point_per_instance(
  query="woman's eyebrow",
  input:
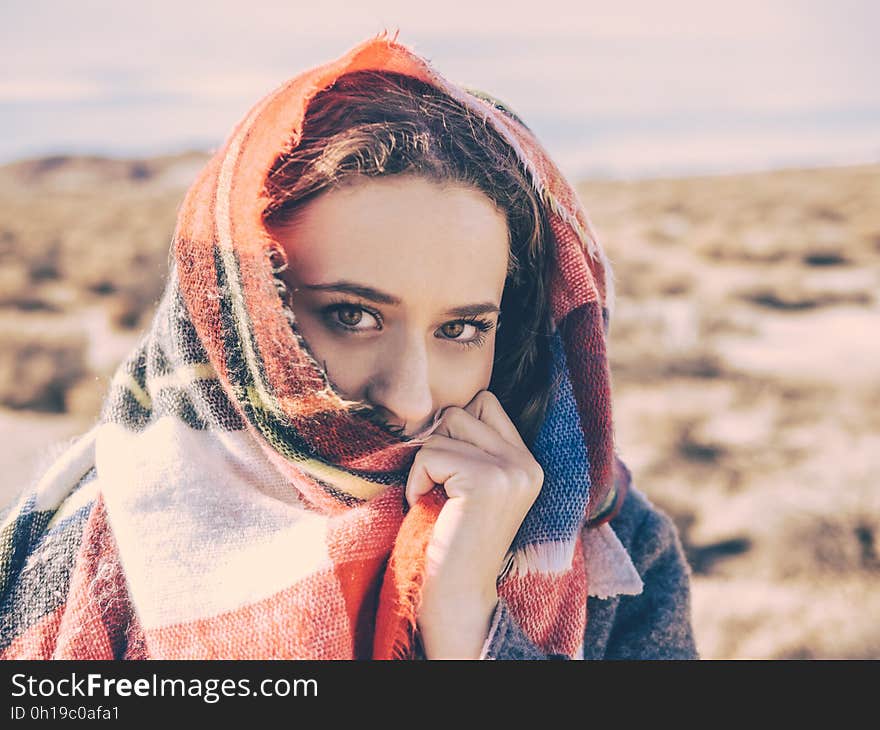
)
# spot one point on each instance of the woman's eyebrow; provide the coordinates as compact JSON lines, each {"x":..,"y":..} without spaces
{"x":374,"y":295}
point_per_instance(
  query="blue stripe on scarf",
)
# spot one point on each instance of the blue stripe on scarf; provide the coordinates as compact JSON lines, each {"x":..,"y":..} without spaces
{"x":559,"y":510}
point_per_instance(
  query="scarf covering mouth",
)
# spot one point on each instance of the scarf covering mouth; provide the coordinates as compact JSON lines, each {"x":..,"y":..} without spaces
{"x":231,"y":504}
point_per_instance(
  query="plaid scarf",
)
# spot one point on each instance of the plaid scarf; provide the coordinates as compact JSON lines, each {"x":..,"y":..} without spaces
{"x":231,"y":504}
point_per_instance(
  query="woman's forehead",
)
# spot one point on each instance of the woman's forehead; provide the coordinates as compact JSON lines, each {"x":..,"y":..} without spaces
{"x":409,"y":237}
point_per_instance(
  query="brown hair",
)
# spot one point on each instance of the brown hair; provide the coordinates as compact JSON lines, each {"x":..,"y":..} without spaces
{"x":384,"y":123}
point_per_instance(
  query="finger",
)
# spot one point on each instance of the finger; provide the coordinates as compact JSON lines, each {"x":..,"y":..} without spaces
{"x":424,"y":475}
{"x":486,"y":408}
{"x":442,"y":442}
{"x":462,"y":425}
{"x":439,"y":464}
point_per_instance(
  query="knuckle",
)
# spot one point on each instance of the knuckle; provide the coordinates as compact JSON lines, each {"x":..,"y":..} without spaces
{"x":486,"y":396}
{"x":531,"y":478}
{"x":538,"y":475}
{"x":487,"y":399}
{"x":496,"y":477}
{"x":453,"y":415}
{"x":523,"y":480}
{"x":418,"y":462}
{"x":455,"y":412}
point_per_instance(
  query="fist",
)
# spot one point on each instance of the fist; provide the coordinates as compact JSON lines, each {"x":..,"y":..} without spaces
{"x":491,"y":480}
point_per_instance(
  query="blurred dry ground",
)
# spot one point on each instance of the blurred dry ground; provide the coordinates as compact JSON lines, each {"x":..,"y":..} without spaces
{"x":744,"y":352}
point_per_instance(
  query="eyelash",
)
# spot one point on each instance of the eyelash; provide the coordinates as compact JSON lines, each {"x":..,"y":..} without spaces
{"x":482,"y":325}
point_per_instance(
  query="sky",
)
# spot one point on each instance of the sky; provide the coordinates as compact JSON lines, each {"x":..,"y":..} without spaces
{"x":623,"y":89}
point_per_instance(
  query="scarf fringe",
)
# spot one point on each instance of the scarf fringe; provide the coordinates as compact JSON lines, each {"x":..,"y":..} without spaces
{"x":546,"y":557}
{"x":402,"y":636}
{"x":401,"y":593}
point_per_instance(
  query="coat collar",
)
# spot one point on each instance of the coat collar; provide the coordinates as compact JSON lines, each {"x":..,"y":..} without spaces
{"x":610,"y":570}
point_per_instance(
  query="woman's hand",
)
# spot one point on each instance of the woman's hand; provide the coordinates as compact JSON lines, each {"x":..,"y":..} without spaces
{"x":492,"y":480}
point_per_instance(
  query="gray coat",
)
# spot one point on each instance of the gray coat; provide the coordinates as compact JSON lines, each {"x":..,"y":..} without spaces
{"x":654,"y":623}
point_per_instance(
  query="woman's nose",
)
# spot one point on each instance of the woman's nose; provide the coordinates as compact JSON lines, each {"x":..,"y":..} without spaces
{"x":403,"y":385}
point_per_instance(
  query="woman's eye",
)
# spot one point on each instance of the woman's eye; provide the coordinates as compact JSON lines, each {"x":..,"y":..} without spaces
{"x":453,"y":330}
{"x":348,"y":316}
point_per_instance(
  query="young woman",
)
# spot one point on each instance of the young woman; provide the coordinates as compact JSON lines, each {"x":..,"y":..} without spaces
{"x":371,"y":418}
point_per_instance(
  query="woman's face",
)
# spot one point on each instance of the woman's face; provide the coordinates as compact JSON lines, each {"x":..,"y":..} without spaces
{"x":396,"y":286}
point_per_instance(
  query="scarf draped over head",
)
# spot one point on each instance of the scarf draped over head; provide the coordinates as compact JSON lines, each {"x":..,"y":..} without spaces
{"x":231,"y":503}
